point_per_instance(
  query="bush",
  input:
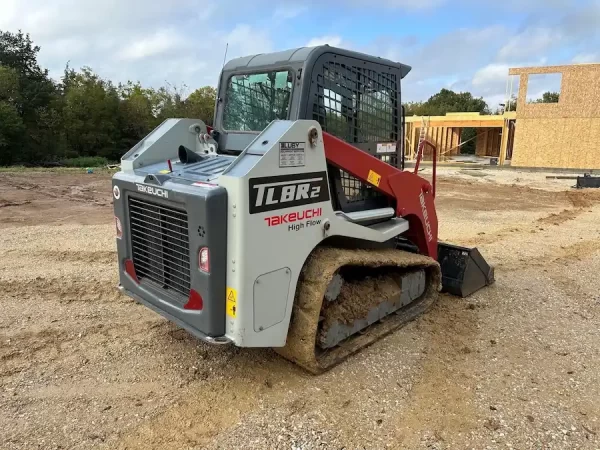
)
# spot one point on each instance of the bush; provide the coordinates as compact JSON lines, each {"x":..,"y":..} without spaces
{"x":85,"y":161}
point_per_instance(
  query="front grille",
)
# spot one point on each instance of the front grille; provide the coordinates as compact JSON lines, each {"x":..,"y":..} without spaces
{"x":160,"y":245}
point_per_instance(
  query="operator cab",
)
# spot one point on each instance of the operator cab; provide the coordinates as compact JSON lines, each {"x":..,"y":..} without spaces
{"x":353,"y":96}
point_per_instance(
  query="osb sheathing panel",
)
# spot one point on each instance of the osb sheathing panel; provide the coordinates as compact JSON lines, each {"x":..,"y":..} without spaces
{"x":579,"y":95}
{"x":564,"y":134}
{"x":561,"y":143}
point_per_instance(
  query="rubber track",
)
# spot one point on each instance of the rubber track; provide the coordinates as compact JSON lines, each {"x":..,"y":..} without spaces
{"x":319,"y":269}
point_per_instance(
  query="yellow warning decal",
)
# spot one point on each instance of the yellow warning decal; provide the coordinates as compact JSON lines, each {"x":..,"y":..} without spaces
{"x":164,"y":171}
{"x":374,"y":178}
{"x":231,"y":304}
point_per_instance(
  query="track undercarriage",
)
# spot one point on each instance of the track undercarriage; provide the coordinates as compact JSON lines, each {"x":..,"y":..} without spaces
{"x":348,"y":299}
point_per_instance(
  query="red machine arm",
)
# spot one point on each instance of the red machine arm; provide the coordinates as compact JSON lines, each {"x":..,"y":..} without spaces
{"x":413,"y":194}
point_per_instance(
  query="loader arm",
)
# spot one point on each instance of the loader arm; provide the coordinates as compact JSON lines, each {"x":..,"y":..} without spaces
{"x":412,"y":194}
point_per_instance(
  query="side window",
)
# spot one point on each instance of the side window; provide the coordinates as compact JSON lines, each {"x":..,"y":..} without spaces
{"x":376,"y":114}
{"x":253,"y":101}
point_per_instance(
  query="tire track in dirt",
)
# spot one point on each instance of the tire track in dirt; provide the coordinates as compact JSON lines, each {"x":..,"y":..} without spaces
{"x":243,"y":380}
{"x":50,"y":345}
{"x":63,"y":291}
{"x":108,"y":257}
{"x":441,"y":402}
{"x":557,"y":255}
{"x":564,"y":216}
{"x":71,"y":192}
{"x":573,"y":204}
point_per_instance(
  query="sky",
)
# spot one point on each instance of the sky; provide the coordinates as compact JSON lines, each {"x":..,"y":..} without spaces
{"x":464,"y":45}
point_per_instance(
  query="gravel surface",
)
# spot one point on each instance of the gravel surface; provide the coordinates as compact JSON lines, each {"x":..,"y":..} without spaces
{"x":514,"y":366}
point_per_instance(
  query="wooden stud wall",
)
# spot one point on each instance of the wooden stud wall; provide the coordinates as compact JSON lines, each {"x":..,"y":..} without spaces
{"x":488,"y":141}
{"x":446,"y":139}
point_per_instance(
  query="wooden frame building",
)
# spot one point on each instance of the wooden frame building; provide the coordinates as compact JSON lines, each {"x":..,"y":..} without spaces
{"x":494,"y":134}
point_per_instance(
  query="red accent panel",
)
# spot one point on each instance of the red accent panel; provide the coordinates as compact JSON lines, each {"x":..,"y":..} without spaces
{"x":195,"y":301}
{"x":413,"y":194}
{"x":415,"y":203}
{"x":130,"y":270}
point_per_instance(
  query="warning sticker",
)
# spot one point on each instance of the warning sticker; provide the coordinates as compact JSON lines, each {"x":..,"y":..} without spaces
{"x":389,"y":147}
{"x":374,"y":178}
{"x":231,"y":303}
{"x":291,"y":154}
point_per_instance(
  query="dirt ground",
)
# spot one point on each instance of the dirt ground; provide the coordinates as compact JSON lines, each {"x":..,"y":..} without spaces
{"x":514,"y":366}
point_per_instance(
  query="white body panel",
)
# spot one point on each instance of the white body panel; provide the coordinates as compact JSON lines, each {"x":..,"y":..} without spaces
{"x":270,"y":240}
{"x":162,"y":143}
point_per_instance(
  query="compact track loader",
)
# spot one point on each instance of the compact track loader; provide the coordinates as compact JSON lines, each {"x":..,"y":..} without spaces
{"x":291,"y":223}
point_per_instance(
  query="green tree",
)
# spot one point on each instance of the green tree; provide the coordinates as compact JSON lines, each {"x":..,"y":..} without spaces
{"x":136,"y":119}
{"x":447,"y":101}
{"x":84,"y":114}
{"x":167,"y":101}
{"x":90,"y":115}
{"x":36,"y":101}
{"x":9,"y":85}
{"x":549,"y":97}
{"x":200,"y":104}
{"x":12,"y":129}
{"x":11,"y":132}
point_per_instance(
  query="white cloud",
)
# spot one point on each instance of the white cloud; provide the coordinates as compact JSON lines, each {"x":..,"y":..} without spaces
{"x":459,"y":51}
{"x":9,"y":10}
{"x":334,"y":41}
{"x":152,"y":45}
{"x":247,"y":40}
{"x":402,"y":4}
{"x":184,"y":40}
{"x":286,"y":12}
{"x":529,"y":43}
{"x":585,"y":58}
{"x":492,"y":73}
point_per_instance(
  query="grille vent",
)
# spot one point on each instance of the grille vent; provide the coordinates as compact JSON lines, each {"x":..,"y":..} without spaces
{"x":160,"y":244}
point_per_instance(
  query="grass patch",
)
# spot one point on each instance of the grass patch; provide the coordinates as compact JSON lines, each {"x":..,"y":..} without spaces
{"x":85,"y":161}
{"x":22,"y":169}
{"x":74,"y":165}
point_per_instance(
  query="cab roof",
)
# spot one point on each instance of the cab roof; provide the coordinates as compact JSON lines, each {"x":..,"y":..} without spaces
{"x":301,"y":55}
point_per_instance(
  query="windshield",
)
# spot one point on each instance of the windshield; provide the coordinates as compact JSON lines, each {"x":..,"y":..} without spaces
{"x":253,"y":101}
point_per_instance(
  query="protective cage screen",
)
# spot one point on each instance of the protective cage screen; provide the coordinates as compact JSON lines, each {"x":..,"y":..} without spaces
{"x":254,"y":100}
{"x":360,"y":106}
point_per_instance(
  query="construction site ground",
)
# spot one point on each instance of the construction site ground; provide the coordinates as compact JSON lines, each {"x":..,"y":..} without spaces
{"x":514,"y":366}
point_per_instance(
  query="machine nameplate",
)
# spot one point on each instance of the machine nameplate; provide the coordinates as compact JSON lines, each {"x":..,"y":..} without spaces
{"x":286,"y":191}
{"x":291,"y":154}
{"x":389,"y":147}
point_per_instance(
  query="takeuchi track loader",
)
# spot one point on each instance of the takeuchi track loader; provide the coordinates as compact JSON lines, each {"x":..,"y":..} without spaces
{"x":291,"y":223}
